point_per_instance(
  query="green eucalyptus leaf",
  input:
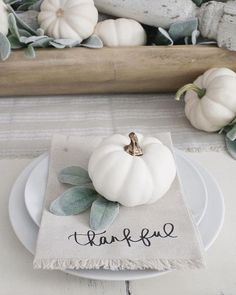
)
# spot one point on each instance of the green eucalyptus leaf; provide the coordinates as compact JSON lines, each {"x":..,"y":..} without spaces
{"x":103,"y":213}
{"x":73,"y":201}
{"x":182,"y":29}
{"x":231,"y":134}
{"x":5,"y":47}
{"x":29,"y":51}
{"x":163,"y":38}
{"x":15,"y":43}
{"x":231,"y":147}
{"x":92,"y":42}
{"x":74,"y":175}
{"x":13,"y":26}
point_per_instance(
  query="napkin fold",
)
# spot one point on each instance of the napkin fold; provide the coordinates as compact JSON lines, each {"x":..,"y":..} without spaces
{"x":161,"y":236}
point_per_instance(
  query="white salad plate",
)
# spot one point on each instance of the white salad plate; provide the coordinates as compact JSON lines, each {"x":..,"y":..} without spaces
{"x":194,"y":188}
{"x":26,"y":229}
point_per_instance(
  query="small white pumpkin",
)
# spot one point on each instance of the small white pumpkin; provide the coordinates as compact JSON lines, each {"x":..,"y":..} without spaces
{"x":68,"y":19}
{"x":121,"y":32}
{"x":3,"y":19}
{"x":132,"y":173}
{"x":210,"y":102}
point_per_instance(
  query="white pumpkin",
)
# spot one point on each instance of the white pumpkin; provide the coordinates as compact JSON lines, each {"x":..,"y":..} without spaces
{"x":68,"y":19}
{"x":3,"y":19}
{"x":210,"y":102}
{"x":121,"y":32}
{"x":132,"y":173}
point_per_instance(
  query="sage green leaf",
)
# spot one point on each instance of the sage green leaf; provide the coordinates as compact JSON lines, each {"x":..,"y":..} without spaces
{"x":67,"y":42}
{"x":36,"y":6}
{"x":193,"y":39}
{"x":56,"y":45}
{"x":5,"y":47}
{"x":43,"y":43}
{"x":92,"y":42}
{"x":231,"y":147}
{"x":24,"y":33}
{"x":183,"y":29}
{"x":26,"y":5}
{"x":73,"y":201}
{"x":162,"y":37}
{"x":20,"y":22}
{"x":31,"y":39}
{"x":30,"y":18}
{"x":15,"y":43}
{"x":13,"y":26}
{"x":231,"y":134}
{"x":29,"y":52}
{"x":103,"y":213}
{"x":74,"y":175}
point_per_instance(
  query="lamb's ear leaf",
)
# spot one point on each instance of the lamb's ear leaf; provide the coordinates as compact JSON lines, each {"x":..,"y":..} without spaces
{"x":74,"y":175}
{"x":231,"y":147}
{"x":103,"y":213}
{"x":182,"y":29}
{"x":92,"y":42}
{"x":15,"y":43}
{"x":29,"y":51}
{"x":73,"y":201}
{"x":162,"y":37}
{"x":13,"y":26}
{"x":5,"y":47}
{"x":231,"y":134}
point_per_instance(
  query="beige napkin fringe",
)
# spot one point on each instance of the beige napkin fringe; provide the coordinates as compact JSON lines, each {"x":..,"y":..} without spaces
{"x":118,"y":264}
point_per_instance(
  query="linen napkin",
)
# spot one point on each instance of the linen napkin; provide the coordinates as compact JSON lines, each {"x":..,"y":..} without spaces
{"x":161,"y":236}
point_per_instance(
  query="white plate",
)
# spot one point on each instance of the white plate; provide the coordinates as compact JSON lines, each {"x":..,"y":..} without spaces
{"x":27,"y":231}
{"x":193,"y":187}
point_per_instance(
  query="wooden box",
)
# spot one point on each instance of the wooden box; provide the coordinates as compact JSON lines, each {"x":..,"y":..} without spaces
{"x":109,"y":70}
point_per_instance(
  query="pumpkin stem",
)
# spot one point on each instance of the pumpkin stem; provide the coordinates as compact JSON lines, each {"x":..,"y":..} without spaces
{"x":200,"y":92}
{"x":133,"y":148}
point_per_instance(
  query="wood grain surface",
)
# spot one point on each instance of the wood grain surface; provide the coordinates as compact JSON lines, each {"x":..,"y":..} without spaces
{"x":109,"y":70}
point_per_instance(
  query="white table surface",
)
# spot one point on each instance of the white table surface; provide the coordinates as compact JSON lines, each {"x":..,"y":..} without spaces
{"x":219,"y":278}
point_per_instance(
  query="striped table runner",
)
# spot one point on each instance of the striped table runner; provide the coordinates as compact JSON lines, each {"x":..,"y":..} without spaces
{"x":27,"y":124}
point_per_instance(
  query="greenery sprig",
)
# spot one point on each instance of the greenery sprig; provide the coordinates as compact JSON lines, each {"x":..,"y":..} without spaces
{"x":82,"y":196}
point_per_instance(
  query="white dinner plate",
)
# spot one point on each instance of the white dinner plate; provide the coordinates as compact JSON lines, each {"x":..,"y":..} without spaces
{"x":26,"y":230}
{"x":194,"y":188}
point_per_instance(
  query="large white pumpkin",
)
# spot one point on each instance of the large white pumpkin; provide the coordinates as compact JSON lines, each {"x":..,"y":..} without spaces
{"x":210,"y":102}
{"x":3,"y":19}
{"x":68,"y":19}
{"x":132,"y":170}
{"x":121,"y":32}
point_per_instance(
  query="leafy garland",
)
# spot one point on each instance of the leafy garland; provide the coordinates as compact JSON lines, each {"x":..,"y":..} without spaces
{"x":23,"y":35}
